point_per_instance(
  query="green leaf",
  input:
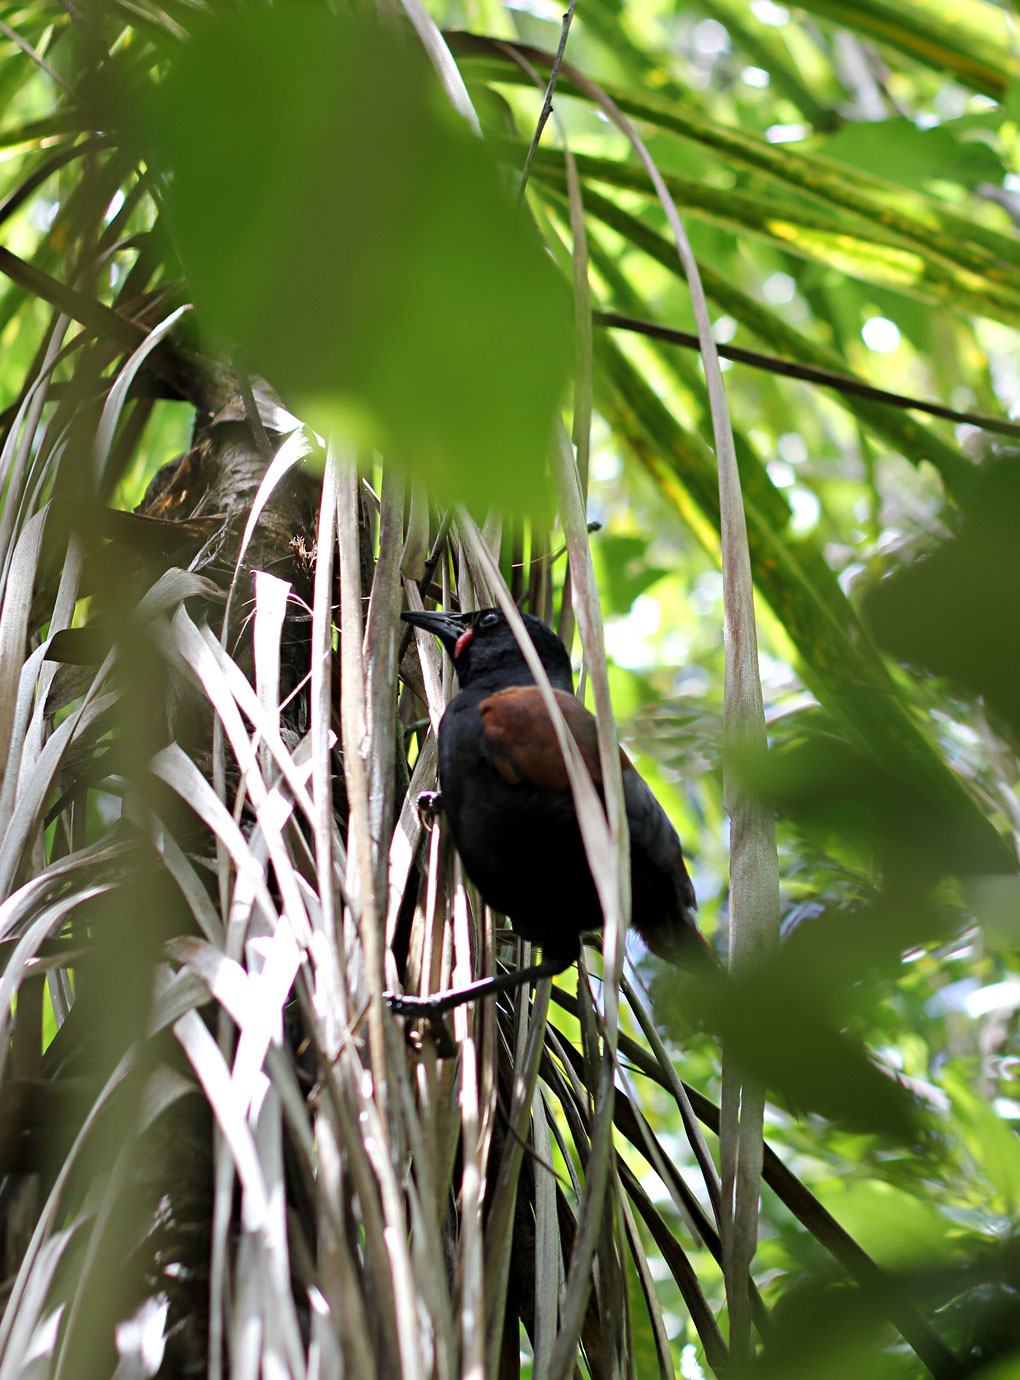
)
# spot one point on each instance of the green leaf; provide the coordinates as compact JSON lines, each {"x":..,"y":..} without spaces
{"x":877,"y":253}
{"x":789,"y":1036}
{"x":969,"y":38}
{"x":992,"y":1142}
{"x":854,"y":799}
{"x":893,"y":1226}
{"x":917,"y":441}
{"x":837,"y":659}
{"x":622,"y":570}
{"x":356,"y":247}
{"x":898,"y":150}
{"x":956,"y":612}
{"x":1011,"y":101}
{"x":919,"y":222}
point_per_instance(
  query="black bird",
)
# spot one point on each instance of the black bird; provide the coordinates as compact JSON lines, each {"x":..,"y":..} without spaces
{"x":506,"y":795}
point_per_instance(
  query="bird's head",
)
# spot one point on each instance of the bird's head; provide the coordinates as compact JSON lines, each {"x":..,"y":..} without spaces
{"x":484,"y":650}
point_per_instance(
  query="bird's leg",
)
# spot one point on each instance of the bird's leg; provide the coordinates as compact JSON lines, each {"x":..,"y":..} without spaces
{"x":438,"y":1003}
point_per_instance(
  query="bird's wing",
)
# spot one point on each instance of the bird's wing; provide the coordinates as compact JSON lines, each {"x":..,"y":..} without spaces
{"x":652,"y":833}
{"x":520,"y":741}
{"x":664,"y":901}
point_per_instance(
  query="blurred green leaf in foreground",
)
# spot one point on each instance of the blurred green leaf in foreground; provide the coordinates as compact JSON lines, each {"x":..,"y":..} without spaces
{"x":956,"y":611}
{"x":409,"y":305}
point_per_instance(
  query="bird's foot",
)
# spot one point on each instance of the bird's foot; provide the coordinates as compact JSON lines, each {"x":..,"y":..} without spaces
{"x":437,"y":1004}
{"x":425,"y":1009}
{"x":403,"y":1005}
{"x":430,"y":807}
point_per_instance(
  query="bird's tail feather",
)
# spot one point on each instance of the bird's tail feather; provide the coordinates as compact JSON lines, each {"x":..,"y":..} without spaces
{"x":679,"y":941}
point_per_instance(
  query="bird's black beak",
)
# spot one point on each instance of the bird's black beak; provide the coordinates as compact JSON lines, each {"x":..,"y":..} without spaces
{"x":446,"y":626}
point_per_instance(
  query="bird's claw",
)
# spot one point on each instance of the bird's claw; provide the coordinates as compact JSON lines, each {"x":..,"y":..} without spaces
{"x":422,"y":1008}
{"x":402,"y":1005}
{"x":430,"y":806}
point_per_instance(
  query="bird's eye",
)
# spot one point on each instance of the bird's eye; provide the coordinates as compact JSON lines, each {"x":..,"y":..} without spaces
{"x":489,"y":620}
